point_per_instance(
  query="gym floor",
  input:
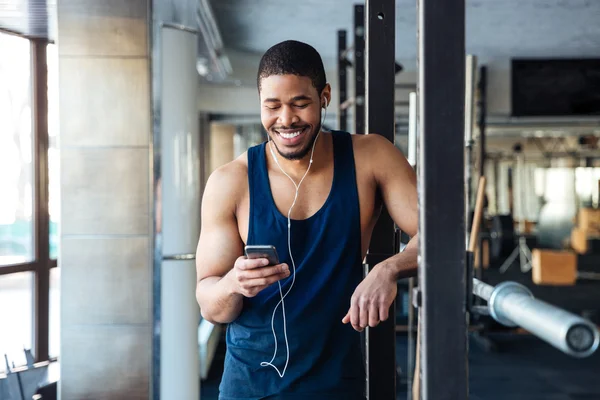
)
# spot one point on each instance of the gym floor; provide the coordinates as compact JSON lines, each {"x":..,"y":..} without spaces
{"x":521,"y":368}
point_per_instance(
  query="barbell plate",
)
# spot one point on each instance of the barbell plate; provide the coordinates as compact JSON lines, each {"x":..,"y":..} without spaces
{"x":502,"y":236}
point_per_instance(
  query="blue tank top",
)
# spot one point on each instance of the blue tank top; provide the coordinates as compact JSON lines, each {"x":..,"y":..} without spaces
{"x":326,"y":359}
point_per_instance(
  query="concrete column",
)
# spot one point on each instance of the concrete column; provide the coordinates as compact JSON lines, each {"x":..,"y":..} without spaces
{"x":105,"y":136}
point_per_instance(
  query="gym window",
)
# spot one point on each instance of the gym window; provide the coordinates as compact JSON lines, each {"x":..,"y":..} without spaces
{"x":29,"y":202}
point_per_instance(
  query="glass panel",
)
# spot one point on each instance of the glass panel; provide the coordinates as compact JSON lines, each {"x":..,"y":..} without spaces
{"x":16,"y":150}
{"x":16,"y":316}
{"x":54,"y":345}
{"x":53,"y":152}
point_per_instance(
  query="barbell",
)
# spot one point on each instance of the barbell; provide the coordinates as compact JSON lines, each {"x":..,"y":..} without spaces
{"x":512,"y":304}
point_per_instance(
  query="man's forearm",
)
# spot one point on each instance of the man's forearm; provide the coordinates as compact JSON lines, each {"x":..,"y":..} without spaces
{"x":404,"y":264}
{"x":218,"y":302}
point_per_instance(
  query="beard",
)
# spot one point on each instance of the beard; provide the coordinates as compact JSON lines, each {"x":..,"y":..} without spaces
{"x":305,"y":149}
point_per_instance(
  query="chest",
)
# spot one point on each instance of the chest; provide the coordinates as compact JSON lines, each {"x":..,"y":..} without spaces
{"x":314,"y":194}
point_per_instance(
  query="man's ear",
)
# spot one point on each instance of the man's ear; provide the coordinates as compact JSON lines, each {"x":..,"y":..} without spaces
{"x":326,"y":96}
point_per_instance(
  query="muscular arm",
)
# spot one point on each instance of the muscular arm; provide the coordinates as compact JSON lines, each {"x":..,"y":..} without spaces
{"x":218,"y":248}
{"x":225,"y":276}
{"x":397,"y":183}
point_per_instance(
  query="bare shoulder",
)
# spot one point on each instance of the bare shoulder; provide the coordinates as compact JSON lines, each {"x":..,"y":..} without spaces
{"x":368,"y":143}
{"x":393,"y":175}
{"x":235,"y":170}
{"x":228,"y":183}
{"x":376,"y":152}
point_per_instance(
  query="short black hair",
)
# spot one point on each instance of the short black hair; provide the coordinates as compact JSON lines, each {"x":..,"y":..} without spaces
{"x":294,"y":58}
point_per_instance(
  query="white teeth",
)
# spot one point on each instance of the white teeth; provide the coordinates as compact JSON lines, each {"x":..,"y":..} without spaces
{"x":290,"y":135}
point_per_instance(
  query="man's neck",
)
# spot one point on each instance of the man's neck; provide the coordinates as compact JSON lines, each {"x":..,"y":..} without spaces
{"x":297,"y":168}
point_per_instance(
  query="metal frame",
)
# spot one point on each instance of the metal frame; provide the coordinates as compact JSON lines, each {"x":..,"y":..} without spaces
{"x":42,"y":225}
{"x":359,"y":69}
{"x":380,"y":119}
{"x":25,"y":267}
{"x":16,"y":268}
{"x":412,"y":322}
{"x":481,"y":123}
{"x":441,"y":61}
{"x":471,"y":63}
{"x":342,"y":66}
{"x":155,"y":177}
{"x":22,"y":35}
{"x":41,"y":263}
{"x":155,"y":44}
{"x":482,"y":117}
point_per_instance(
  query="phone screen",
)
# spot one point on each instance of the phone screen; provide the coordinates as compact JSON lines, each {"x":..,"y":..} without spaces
{"x":263,"y":251}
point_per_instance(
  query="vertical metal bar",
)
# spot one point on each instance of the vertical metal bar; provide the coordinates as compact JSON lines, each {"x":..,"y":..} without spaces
{"x":496,"y":184}
{"x":342,"y":66}
{"x":412,"y":323}
{"x":42,"y":217}
{"x":412,"y":159}
{"x":380,"y":118}
{"x":155,"y":183}
{"x":481,"y":122}
{"x":469,"y":142}
{"x":441,"y":61}
{"x":412,"y":129}
{"x":359,"y":69}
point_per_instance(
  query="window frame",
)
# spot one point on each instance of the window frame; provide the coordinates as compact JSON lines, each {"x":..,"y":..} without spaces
{"x":41,"y":263}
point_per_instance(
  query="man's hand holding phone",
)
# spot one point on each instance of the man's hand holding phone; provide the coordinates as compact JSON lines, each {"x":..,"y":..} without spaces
{"x":252,"y":275}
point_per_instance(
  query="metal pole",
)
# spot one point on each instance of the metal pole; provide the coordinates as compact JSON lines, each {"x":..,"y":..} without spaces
{"x":380,"y":118}
{"x":412,"y":129}
{"x":342,"y":81}
{"x":443,"y":336}
{"x":359,"y":69}
{"x":42,"y":226}
{"x":481,"y":122}
{"x":469,"y":99}
{"x":412,"y":159}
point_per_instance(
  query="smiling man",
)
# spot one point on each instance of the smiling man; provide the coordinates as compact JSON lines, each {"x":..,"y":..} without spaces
{"x":293,"y":328}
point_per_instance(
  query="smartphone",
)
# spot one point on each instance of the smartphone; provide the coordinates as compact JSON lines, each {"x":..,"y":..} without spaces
{"x":263,"y":251}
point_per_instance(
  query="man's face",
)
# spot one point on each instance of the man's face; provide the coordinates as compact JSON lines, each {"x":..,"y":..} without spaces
{"x":291,"y":113}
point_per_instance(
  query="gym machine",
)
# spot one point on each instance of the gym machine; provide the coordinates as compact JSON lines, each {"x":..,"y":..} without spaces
{"x":373,"y":105}
{"x":445,"y":296}
{"x":357,"y":102}
{"x":345,"y":102}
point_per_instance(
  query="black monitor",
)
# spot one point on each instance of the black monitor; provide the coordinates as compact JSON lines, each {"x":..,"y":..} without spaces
{"x":555,"y":87}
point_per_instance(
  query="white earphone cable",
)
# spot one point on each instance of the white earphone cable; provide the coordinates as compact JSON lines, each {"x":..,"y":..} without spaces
{"x":297,"y":186}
